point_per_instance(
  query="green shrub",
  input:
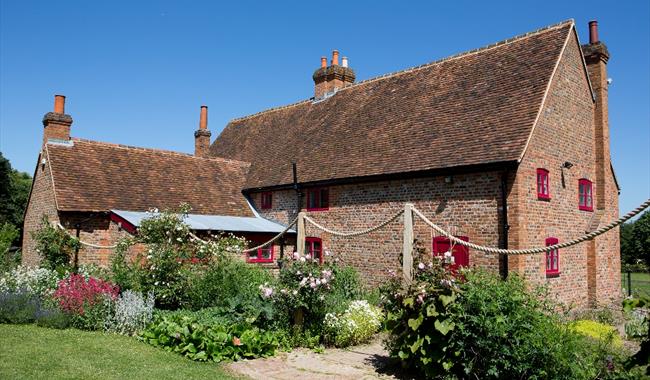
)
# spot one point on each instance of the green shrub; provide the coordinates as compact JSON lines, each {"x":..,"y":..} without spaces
{"x":172,"y":258}
{"x":55,"y":246}
{"x":217,"y":342}
{"x":354,"y":326}
{"x":480,"y":326}
{"x":52,"y":318}
{"x":598,"y":331}
{"x":225,"y":281}
{"x":8,"y":235}
{"x":19,"y":308}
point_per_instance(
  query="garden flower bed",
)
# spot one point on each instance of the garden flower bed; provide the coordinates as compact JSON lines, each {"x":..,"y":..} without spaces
{"x":201,"y":300}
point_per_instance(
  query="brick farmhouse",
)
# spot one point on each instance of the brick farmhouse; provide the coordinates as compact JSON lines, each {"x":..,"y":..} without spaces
{"x":506,"y":145}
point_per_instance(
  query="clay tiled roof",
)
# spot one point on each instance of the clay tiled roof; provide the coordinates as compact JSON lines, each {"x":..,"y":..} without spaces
{"x":474,"y":108}
{"x":95,"y":176}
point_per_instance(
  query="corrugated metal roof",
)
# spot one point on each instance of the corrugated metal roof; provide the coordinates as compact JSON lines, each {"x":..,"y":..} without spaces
{"x":212,"y":222}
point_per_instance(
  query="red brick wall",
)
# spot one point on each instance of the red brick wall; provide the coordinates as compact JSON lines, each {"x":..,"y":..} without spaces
{"x":564,"y":132}
{"x":41,"y":202}
{"x":469,"y":205}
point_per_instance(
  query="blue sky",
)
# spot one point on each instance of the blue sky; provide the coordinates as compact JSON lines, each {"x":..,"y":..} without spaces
{"x":136,"y":72}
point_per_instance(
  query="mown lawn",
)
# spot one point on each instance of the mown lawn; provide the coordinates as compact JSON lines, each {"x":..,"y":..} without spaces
{"x":640,"y":283}
{"x":31,"y":352}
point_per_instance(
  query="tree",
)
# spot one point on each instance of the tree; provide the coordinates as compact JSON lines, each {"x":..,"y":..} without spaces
{"x":14,"y":191}
{"x":628,"y":252}
{"x":641,"y":237}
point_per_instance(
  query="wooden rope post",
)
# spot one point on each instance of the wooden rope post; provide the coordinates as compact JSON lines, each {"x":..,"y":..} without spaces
{"x":407,"y":248}
{"x":300,"y":225}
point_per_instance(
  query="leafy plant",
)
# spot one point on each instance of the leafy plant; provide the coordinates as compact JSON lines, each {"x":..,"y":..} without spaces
{"x":480,"y":326}
{"x":40,"y":282}
{"x":640,"y":306}
{"x":598,"y":331}
{"x":184,"y":335}
{"x":171,"y":258}
{"x":132,"y":313}
{"x":354,"y":326}
{"x":88,"y":302}
{"x":54,"y":246}
{"x":8,"y":234}
{"x":20,"y":307}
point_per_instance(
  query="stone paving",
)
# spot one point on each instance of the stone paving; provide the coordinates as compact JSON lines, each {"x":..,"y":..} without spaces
{"x":359,"y":363}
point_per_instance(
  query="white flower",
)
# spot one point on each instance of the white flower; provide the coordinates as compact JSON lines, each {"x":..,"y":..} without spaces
{"x":448,"y":254}
{"x":302,"y":259}
{"x":421,"y":266}
{"x":295,"y":292}
{"x":296,"y":255}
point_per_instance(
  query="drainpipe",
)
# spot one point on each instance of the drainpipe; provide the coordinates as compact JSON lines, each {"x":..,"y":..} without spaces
{"x":504,"y":225}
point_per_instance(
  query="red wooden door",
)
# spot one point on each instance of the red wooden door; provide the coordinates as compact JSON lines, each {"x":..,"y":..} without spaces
{"x":460,"y":253}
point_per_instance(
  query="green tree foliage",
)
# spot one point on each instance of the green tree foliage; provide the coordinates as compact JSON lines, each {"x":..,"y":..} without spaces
{"x":641,"y":236}
{"x":635,"y":241}
{"x":14,"y":191}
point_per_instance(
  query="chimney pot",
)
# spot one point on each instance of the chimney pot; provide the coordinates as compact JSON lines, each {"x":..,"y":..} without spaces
{"x":335,"y":58}
{"x":323,"y":62}
{"x":59,"y":104}
{"x":593,"y":32}
{"x":203,"y":120}
{"x":344,"y":61}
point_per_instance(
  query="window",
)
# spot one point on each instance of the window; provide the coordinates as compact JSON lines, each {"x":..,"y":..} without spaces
{"x":267,"y":200}
{"x":318,"y":199}
{"x":585,"y":195}
{"x":261,"y":255}
{"x":543,"y":184}
{"x":552,"y":259}
{"x":314,"y":248}
{"x":460,"y":253}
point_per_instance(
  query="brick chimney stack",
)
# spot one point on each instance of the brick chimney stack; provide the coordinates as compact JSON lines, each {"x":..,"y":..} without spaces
{"x":596,"y":57}
{"x":57,"y":124}
{"x":202,"y":135}
{"x":328,"y":80}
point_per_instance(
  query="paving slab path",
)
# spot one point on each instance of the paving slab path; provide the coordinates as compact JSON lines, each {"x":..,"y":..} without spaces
{"x":359,"y":363}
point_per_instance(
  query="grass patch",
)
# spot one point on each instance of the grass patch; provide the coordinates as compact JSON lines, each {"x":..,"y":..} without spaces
{"x":30,"y":352}
{"x":640,"y":283}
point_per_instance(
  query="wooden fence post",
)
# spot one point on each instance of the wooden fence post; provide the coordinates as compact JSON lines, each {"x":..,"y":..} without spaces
{"x":300,"y":243}
{"x":407,"y":250}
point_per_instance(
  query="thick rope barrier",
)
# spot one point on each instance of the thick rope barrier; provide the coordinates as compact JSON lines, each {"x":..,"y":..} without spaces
{"x":58,"y":225}
{"x":356,"y":233}
{"x":529,"y":251}
{"x":276,"y":237}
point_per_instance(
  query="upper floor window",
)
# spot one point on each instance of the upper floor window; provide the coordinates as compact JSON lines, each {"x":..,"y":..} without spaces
{"x":318,"y":199}
{"x":267,"y":200}
{"x":314,"y":248}
{"x":543,"y":191}
{"x":552,"y":258}
{"x":585,"y":195}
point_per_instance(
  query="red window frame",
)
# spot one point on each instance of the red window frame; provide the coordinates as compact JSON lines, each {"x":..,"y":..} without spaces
{"x":318,"y":199}
{"x":441,"y":244}
{"x":311,"y":244}
{"x":552,"y":258}
{"x":259,"y":257}
{"x":266,"y":200}
{"x":585,"y":195}
{"x":543,"y":184}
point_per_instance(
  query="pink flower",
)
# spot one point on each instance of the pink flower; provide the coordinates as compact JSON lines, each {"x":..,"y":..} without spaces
{"x":236,"y":341}
{"x":296,"y":255}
